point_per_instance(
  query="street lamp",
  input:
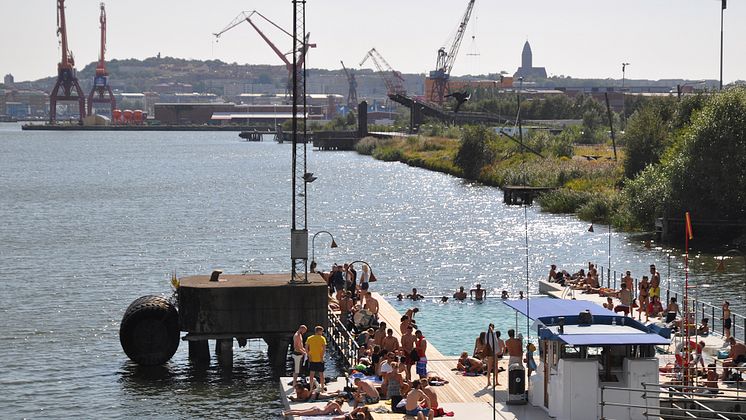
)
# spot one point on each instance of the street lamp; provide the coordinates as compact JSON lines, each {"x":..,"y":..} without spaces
{"x":372,"y":276}
{"x":624,"y":113}
{"x":313,"y":244}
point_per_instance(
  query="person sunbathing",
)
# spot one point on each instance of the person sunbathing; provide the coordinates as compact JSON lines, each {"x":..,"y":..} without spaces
{"x":332,"y":407}
{"x":303,"y":394}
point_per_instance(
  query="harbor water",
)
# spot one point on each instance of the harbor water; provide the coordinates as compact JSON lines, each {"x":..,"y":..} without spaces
{"x":93,"y":220}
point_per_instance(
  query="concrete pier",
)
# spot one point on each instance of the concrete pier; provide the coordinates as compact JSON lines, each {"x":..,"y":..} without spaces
{"x":248,"y":306}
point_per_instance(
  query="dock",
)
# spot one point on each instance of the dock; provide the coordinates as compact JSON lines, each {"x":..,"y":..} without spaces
{"x":522,"y":194}
{"x":466,"y":396}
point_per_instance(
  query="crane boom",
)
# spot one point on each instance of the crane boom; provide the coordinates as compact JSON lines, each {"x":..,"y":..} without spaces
{"x":101,"y":91}
{"x":352,"y":83}
{"x":453,"y":52}
{"x":67,"y":61}
{"x":66,"y":88}
{"x":101,"y":68}
{"x":394,"y":81}
{"x":446,"y":59}
{"x":246,"y":17}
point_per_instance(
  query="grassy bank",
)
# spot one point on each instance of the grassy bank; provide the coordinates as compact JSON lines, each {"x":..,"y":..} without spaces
{"x":588,"y":188}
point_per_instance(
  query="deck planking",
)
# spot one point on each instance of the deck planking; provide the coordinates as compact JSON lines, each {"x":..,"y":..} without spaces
{"x":460,"y":389}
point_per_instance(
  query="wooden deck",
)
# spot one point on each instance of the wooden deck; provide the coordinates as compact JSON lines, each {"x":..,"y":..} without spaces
{"x":460,"y":389}
{"x":467,"y":397}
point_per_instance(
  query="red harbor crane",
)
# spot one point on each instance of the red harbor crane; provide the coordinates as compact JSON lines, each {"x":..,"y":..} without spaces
{"x":352,"y":92}
{"x":66,"y":88}
{"x":101,"y":91}
{"x":246,"y":17}
{"x":439,"y":77}
{"x":392,"y":78}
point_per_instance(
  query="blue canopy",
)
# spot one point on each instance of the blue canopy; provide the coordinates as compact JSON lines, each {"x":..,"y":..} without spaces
{"x":551,"y":307}
{"x":606,"y":328}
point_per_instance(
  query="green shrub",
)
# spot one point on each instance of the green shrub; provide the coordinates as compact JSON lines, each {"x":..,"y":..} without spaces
{"x":388,"y":153}
{"x":563,"y":201}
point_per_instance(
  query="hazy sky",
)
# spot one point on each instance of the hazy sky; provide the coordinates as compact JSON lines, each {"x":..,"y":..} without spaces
{"x":581,"y":38}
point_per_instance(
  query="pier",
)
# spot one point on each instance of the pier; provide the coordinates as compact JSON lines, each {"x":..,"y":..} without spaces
{"x":466,"y":396}
{"x":522,"y":194}
{"x":227,"y":307}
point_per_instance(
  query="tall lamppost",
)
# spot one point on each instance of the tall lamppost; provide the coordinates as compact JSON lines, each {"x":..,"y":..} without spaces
{"x":624,"y":108}
{"x":723,"y":5}
{"x":313,"y":244}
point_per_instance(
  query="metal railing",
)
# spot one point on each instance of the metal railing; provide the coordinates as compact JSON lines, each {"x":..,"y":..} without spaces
{"x":342,"y":340}
{"x":672,"y":402}
{"x":698,"y":307}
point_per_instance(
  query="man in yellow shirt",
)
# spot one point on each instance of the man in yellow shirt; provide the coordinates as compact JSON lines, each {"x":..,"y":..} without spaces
{"x":316,"y":347}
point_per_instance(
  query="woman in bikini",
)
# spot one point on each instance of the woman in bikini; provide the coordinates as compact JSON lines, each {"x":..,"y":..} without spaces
{"x":644,"y":287}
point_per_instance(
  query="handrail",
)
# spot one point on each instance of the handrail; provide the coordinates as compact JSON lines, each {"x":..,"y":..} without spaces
{"x":673,"y":412}
{"x":698,"y":307}
{"x":342,"y":340}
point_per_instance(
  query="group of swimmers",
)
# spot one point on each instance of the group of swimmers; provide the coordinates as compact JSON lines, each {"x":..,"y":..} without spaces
{"x":476,"y":293}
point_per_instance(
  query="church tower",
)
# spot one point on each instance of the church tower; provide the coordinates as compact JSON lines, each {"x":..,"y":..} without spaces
{"x":526,"y":56}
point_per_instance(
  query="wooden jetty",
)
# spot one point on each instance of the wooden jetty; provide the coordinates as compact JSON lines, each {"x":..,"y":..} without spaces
{"x":335,"y":140}
{"x":522,"y":194}
{"x":467,"y":396}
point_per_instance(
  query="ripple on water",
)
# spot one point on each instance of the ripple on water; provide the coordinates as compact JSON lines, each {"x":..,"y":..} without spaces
{"x":93,"y":220}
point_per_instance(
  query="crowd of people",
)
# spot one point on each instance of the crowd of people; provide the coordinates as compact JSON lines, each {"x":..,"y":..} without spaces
{"x":383,"y":368}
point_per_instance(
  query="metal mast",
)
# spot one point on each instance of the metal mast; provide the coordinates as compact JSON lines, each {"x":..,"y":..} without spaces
{"x":67,"y":79}
{"x":101,"y":80}
{"x":300,"y":177}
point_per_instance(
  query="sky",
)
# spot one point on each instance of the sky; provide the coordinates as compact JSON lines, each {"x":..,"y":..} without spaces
{"x":581,"y":38}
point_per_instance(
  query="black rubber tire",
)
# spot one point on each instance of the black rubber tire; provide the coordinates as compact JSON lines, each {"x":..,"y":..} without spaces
{"x":149,"y":332}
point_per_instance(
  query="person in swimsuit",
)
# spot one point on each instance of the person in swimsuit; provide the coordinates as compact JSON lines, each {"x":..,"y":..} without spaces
{"x":415,"y":397}
{"x":478,"y":293}
{"x":726,"y":320}
{"x":644,"y":296}
{"x":530,"y":362}
{"x":299,"y":352}
{"x":332,"y":407}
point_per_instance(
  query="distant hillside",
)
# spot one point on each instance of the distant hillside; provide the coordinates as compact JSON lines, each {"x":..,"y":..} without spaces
{"x":220,"y":78}
{"x":230,"y":79}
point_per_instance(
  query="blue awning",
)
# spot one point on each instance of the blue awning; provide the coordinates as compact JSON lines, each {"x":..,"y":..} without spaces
{"x":612,"y":339}
{"x":536,"y":308}
{"x":607,"y":328}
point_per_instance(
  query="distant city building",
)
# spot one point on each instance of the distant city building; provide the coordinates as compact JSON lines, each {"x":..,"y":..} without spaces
{"x":172,"y":88}
{"x":8,"y":80}
{"x":527,"y":69}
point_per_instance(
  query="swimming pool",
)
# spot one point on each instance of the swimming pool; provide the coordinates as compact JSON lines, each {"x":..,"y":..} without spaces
{"x":453,"y":327}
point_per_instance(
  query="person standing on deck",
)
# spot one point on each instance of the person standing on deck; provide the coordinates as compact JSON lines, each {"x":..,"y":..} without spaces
{"x":315,"y":348}
{"x":365,"y":278}
{"x":421,"y":346}
{"x":407,"y":343}
{"x":515,"y":349}
{"x":628,"y":280}
{"x":299,"y":352}
{"x":643,"y":287}
{"x":655,"y":276}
